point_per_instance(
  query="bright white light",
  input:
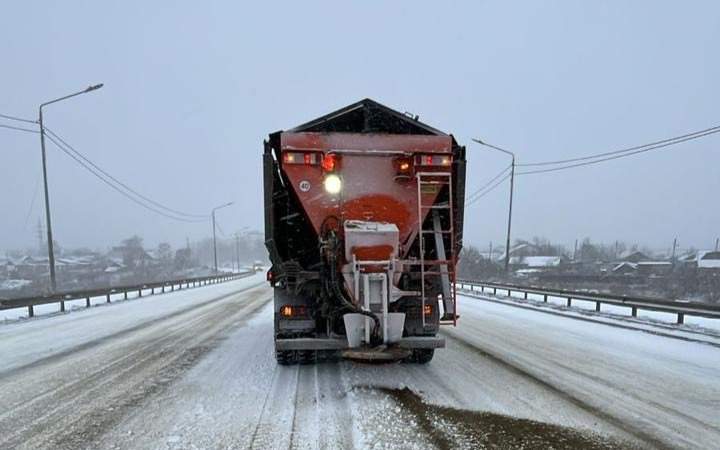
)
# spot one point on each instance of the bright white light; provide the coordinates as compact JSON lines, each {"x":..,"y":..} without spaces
{"x":332,"y":184}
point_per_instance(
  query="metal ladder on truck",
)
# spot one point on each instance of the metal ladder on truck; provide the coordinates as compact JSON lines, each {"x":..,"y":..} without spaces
{"x":440,"y":267}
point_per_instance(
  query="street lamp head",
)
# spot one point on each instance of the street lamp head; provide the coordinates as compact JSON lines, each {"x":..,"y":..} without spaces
{"x":94,"y":87}
{"x":222,"y":206}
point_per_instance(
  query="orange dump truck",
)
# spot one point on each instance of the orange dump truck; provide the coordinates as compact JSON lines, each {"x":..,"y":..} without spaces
{"x":363,"y":225}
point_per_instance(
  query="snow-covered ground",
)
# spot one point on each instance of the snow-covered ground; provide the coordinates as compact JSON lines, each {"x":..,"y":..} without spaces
{"x":195,"y":369}
{"x":691,"y":322}
{"x":23,"y":342}
{"x":9,"y":315}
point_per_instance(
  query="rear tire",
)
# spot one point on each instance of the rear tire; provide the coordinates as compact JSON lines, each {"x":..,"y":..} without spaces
{"x":306,"y":356}
{"x":285,"y":358}
{"x":424,"y":356}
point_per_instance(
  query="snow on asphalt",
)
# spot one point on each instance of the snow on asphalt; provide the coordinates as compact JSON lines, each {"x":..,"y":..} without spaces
{"x":661,"y":386}
{"x":22,"y":342}
{"x":195,"y":369}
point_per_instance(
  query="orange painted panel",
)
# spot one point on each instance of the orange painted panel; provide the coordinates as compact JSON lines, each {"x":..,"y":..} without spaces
{"x":370,"y":189}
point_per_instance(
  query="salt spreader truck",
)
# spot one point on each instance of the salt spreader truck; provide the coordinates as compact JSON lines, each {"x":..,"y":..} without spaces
{"x":363,"y":225}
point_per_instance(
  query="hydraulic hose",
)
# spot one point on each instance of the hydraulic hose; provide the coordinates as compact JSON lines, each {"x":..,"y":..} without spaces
{"x":338,"y":292}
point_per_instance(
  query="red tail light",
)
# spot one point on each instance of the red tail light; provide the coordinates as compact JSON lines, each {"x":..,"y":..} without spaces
{"x":269,"y":275}
{"x":307,"y":158}
{"x":435,"y":160}
{"x":329,"y":162}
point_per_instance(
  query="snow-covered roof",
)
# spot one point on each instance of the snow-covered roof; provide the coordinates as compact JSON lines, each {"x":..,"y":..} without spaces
{"x":71,"y":261}
{"x":629,"y":265}
{"x":708,"y":259}
{"x":633,"y":254}
{"x":14,"y":284}
{"x":525,"y":271}
{"x":654,"y":263}
{"x":33,"y":260}
{"x":536,"y":261}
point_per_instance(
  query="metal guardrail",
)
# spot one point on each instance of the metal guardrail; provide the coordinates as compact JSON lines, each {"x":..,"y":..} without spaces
{"x":161,"y":286}
{"x":634,"y":303}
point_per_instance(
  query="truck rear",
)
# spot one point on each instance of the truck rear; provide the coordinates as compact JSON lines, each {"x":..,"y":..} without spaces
{"x":363,"y":225}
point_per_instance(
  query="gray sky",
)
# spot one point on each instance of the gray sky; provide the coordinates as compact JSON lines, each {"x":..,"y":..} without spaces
{"x":191,"y":90}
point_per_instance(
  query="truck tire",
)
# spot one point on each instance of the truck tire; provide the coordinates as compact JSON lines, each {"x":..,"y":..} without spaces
{"x":306,"y":356}
{"x":424,"y":356}
{"x":285,"y":358}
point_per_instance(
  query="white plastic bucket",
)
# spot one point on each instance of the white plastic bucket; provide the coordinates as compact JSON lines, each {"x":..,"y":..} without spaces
{"x":355,"y":329}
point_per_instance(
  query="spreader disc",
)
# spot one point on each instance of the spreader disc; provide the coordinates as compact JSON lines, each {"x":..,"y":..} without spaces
{"x":377,"y":355}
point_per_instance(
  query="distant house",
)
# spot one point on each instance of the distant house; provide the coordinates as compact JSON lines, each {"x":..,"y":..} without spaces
{"x":7,"y":268}
{"x":654,"y":268}
{"x":633,"y":256}
{"x":30,"y":267}
{"x":542,"y":261}
{"x":532,"y":264}
{"x":625,"y":268}
{"x":519,"y":251}
{"x":708,"y":260}
{"x":112,"y":266}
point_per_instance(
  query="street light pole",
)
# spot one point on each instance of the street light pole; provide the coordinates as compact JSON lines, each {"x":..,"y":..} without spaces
{"x":214,"y":236}
{"x":214,"y":243}
{"x":237,"y":251}
{"x":48,"y":221}
{"x":512,"y":187}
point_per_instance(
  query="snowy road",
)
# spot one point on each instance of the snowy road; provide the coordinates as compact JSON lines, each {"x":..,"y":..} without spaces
{"x":195,"y":369}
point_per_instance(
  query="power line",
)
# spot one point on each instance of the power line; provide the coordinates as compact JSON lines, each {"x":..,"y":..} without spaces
{"x":113,"y":186}
{"x":27,"y":130}
{"x":478,"y":190}
{"x":623,"y":155}
{"x":19,"y":119}
{"x":487,"y":191}
{"x":128,"y":188}
{"x":694,"y":134}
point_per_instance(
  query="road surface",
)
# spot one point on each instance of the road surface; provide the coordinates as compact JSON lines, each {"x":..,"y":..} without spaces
{"x":195,"y":369}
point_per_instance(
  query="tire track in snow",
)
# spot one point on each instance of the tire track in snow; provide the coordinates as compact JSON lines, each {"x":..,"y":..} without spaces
{"x":274,"y":427}
{"x":159,"y":354}
{"x":640,"y":434}
{"x":60,"y":356}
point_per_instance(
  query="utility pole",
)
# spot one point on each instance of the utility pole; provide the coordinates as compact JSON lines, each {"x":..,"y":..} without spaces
{"x":51,"y":251}
{"x":212,"y":214}
{"x":717,"y":244}
{"x":40,"y":232}
{"x":617,"y":244}
{"x":237,"y":252}
{"x":672,"y":258}
{"x":215,"y":266}
{"x":490,"y":255}
{"x":512,"y":185}
{"x":575,"y":251}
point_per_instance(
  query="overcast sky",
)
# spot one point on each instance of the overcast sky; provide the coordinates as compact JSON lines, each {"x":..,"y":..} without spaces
{"x":192,"y":88}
